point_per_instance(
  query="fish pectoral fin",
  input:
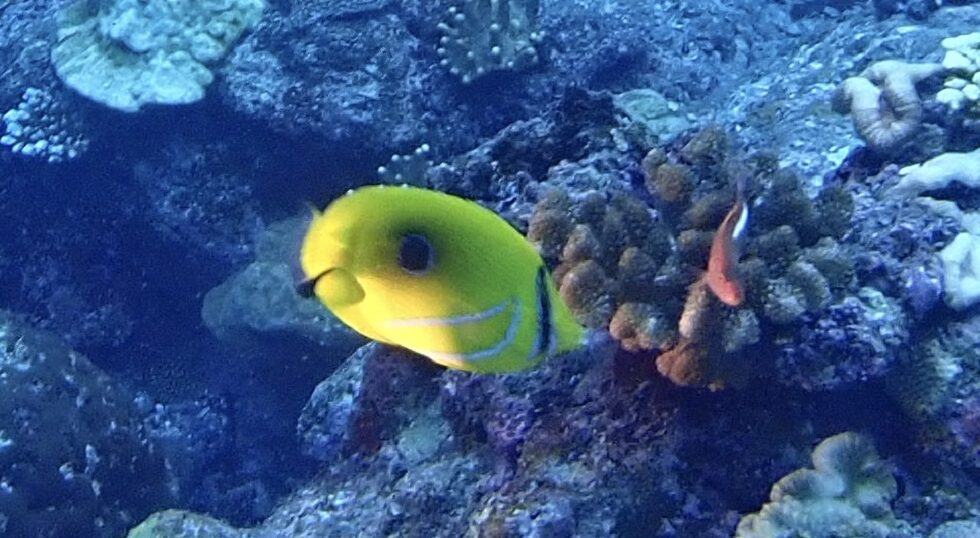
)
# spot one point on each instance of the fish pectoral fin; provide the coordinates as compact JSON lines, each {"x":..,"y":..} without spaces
{"x":337,"y":288}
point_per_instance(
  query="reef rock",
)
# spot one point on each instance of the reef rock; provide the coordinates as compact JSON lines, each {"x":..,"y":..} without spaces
{"x":73,"y":457}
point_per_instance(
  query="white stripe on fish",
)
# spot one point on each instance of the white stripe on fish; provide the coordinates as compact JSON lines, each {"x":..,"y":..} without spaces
{"x":476,"y":356}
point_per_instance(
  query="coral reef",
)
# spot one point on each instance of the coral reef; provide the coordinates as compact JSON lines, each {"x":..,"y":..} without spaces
{"x":117,"y":249}
{"x":181,"y":524}
{"x":853,"y":340}
{"x":481,"y":455}
{"x":955,"y":175}
{"x":939,"y":173}
{"x":270,"y":337}
{"x":260,"y":302}
{"x":847,"y":493}
{"x":957,"y":529}
{"x":656,"y":114}
{"x":126,"y":54}
{"x":215,"y":214}
{"x":621,"y":266}
{"x":74,"y":459}
{"x":196,"y":438}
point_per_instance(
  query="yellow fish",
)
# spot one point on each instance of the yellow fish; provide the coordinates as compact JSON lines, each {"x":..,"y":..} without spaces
{"x":436,"y":274}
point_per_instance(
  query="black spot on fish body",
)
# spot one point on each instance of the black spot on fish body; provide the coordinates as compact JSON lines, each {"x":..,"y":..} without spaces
{"x":415,"y":254}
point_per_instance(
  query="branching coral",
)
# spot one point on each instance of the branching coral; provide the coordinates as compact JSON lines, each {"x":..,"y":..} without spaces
{"x":884,"y":103}
{"x":847,"y":494}
{"x":791,"y":268}
{"x":409,"y":168}
{"x":483,"y":36}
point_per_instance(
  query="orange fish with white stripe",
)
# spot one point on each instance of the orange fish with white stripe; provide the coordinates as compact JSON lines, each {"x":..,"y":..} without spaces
{"x":726,"y":249}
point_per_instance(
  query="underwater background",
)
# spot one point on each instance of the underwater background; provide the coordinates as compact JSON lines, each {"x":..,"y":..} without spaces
{"x":161,"y":377}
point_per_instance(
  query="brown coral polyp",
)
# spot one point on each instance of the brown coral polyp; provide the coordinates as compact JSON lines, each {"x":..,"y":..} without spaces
{"x":585,"y":289}
{"x":671,"y":184}
{"x":549,"y":230}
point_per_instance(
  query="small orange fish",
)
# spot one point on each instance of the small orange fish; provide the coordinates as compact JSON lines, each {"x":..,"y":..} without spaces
{"x":726,"y":249}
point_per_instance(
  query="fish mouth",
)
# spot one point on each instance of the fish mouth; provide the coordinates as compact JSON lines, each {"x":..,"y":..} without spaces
{"x":306,"y":288}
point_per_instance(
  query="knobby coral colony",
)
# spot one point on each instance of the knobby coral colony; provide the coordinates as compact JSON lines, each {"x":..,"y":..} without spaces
{"x":637,"y":270}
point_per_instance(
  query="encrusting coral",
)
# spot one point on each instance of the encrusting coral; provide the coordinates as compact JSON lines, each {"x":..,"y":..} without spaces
{"x":126,"y":54}
{"x":961,"y":266}
{"x":939,"y":172}
{"x":961,"y":257}
{"x":884,"y":103}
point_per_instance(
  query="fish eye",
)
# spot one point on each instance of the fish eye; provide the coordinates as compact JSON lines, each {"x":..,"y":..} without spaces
{"x":415,"y":254}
